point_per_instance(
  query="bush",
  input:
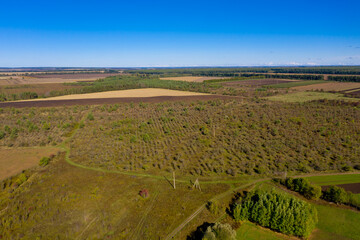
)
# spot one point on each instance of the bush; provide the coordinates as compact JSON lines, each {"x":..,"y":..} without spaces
{"x":335,"y":194}
{"x":44,"y":161}
{"x":276,"y":211}
{"x":90,"y":117}
{"x":213,"y":207}
{"x":220,"y":231}
{"x":302,"y":186}
{"x":2,"y":134}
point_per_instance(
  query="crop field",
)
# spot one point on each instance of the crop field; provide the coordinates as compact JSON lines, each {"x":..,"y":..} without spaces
{"x":134,"y":93}
{"x":330,"y":86}
{"x":301,"y":97}
{"x":335,"y":179}
{"x":52,"y":78}
{"x":43,"y":90}
{"x":296,"y":84}
{"x":15,"y":160}
{"x":257,"y":82}
{"x":192,"y":79}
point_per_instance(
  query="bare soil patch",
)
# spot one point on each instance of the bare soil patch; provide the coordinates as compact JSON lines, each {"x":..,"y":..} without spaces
{"x":331,"y":86}
{"x":15,"y":160}
{"x":193,"y":79}
{"x":352,"y":187}
{"x":257,"y":82}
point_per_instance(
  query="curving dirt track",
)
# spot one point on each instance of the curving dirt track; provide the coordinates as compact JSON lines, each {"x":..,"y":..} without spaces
{"x":98,"y":101}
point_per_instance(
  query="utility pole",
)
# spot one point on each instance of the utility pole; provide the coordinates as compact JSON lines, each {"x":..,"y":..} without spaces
{"x":174,"y":179}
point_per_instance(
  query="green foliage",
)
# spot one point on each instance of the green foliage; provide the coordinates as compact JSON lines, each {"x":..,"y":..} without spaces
{"x":46,"y":126}
{"x":213,"y":207}
{"x":220,"y":232}
{"x":276,"y":211}
{"x":2,"y":134}
{"x":302,"y":186}
{"x":90,"y":116}
{"x":21,"y":179}
{"x":335,"y":194}
{"x":44,"y":161}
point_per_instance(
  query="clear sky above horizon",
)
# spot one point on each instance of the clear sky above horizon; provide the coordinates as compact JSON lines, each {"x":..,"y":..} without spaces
{"x":155,"y":33}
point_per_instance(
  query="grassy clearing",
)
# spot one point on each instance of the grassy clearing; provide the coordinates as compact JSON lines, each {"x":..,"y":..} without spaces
{"x":309,"y":96}
{"x":251,"y":231}
{"x":336,"y":223}
{"x":335,"y":179}
{"x":296,"y":84}
{"x":15,"y":160}
{"x":68,"y":202}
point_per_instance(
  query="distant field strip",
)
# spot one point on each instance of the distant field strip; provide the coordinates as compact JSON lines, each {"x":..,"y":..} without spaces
{"x":145,"y":92}
{"x":296,"y":84}
{"x":309,"y":96}
{"x":330,"y":86}
{"x":335,"y":179}
{"x":193,"y":79}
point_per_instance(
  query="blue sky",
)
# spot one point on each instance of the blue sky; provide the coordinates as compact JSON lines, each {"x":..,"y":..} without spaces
{"x":178,"y":33}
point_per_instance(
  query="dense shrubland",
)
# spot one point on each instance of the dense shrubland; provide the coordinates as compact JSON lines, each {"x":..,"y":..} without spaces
{"x":220,"y":138}
{"x":276,"y":211}
{"x":37,"y":127}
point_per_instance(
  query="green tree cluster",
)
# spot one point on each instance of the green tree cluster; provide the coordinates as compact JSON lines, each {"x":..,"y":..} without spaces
{"x":276,"y":211}
{"x":220,"y":232}
{"x":303,"y":186}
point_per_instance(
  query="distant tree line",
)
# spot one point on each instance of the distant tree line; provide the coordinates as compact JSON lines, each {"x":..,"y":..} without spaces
{"x":345,"y":78}
{"x":276,"y":211}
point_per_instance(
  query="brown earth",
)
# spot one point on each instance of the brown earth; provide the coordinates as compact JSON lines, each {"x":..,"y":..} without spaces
{"x":193,"y":79}
{"x":100,"y":101}
{"x":330,"y":86}
{"x":352,"y":187}
{"x":15,"y":160}
{"x":257,"y":82}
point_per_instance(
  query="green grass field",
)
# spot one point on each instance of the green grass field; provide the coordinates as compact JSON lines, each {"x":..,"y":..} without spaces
{"x":296,"y":84}
{"x":335,"y":179}
{"x":309,"y":96}
{"x":336,"y":223}
{"x":251,"y":231}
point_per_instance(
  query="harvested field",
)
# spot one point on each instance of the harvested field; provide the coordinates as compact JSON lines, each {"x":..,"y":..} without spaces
{"x":53,"y":78}
{"x":330,"y":86}
{"x":257,"y":82}
{"x":193,"y":79}
{"x":351,"y":187}
{"x":100,"y":101}
{"x":144,"y":92}
{"x":15,"y":160}
{"x":41,"y":89}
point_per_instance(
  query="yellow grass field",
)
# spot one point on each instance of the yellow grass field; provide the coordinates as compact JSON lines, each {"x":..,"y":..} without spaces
{"x":144,"y":92}
{"x":330,"y":86}
{"x":15,"y":160}
{"x":192,"y":79}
